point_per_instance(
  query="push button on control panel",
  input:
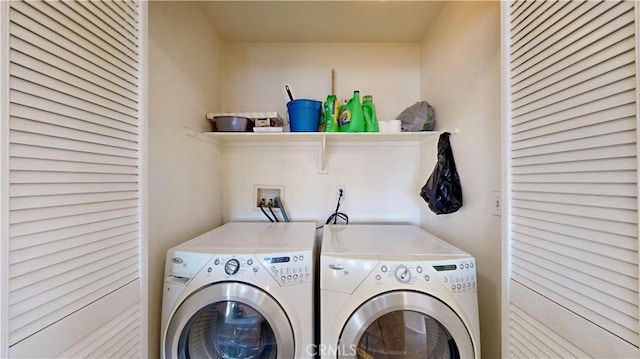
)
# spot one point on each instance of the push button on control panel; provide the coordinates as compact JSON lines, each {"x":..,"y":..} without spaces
{"x":458,"y":277}
{"x":288,"y":269}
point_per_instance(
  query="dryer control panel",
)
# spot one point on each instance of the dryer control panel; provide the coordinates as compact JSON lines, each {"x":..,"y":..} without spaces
{"x":458,"y":277}
{"x":290,"y":268}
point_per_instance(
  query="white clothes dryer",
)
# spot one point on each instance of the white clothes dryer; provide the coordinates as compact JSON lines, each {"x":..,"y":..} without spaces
{"x":242,"y":290}
{"x":396,"y":291}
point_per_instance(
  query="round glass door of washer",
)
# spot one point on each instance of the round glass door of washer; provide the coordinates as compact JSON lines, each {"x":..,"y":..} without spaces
{"x":229,"y":321}
{"x":229,"y":330}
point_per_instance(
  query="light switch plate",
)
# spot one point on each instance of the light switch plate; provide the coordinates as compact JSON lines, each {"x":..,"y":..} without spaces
{"x":496,"y":203}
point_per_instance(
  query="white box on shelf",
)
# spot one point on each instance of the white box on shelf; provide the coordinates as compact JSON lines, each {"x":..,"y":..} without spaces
{"x":268,"y":129}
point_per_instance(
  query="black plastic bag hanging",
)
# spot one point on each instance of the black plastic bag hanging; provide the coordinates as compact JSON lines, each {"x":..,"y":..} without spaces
{"x":443,"y":192}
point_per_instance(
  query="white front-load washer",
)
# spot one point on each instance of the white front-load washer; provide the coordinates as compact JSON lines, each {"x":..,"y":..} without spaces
{"x":242,"y":290}
{"x":396,"y":291}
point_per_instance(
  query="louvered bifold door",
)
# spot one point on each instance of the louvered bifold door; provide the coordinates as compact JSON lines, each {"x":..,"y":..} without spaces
{"x":571,"y":146}
{"x":74,"y":176}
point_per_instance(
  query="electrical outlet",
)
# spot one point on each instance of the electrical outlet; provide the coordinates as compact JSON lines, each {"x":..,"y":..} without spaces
{"x":266,"y":193}
{"x":339,"y":188}
{"x":497,"y":203}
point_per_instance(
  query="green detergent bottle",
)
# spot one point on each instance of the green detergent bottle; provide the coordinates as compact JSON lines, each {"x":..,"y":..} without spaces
{"x":369,"y":111}
{"x":351,"y":116}
{"x":331,"y":109}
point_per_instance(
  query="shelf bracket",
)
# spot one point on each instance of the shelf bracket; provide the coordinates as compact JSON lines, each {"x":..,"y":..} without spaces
{"x":189,"y":132}
{"x":322,"y":160}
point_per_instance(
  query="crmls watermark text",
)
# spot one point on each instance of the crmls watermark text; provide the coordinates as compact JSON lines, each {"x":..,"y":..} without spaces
{"x":331,"y":350}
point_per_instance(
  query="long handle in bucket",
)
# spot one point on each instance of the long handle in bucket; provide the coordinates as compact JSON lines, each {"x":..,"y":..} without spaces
{"x":286,"y":87}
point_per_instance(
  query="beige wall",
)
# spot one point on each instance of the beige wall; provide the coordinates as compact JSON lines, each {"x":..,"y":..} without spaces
{"x":184,"y":173}
{"x":380,"y":179}
{"x":255,"y":74}
{"x":460,"y":77}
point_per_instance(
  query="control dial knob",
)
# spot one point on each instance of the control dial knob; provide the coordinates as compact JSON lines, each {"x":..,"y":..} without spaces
{"x":232,"y":266}
{"x":403,"y":274}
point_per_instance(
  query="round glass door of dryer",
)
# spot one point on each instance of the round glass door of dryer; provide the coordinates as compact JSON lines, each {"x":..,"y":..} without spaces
{"x":229,"y":321}
{"x":408,"y":335}
{"x":405,"y":325}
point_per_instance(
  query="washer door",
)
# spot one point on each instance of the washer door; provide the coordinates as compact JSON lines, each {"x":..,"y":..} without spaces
{"x":229,"y":321}
{"x":405,"y":325}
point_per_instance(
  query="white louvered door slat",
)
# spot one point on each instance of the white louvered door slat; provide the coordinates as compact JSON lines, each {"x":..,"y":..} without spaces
{"x":623,"y":86}
{"x":33,"y":66}
{"x":99,"y":342}
{"x":74,"y":90}
{"x":565,"y":349}
{"x":554,"y":38}
{"x":74,"y":178}
{"x":107,"y":37}
{"x":55,"y":201}
{"x":22,"y":151}
{"x":580,"y":127}
{"x":59,"y":39}
{"x":558,"y":9}
{"x":43,"y":14}
{"x":589,"y":258}
{"x":613,"y":240}
{"x":572,"y":179}
{"x":73,"y":97}
{"x":40,"y":116}
{"x":566,"y":74}
{"x":35,"y":139}
{"x":101,"y":17}
{"x":25,"y":273}
{"x":80,"y":133}
{"x":568,"y":143}
{"x":584,"y":200}
{"x":46,"y":298}
{"x":606,"y":17}
{"x":23,"y":39}
{"x":39,"y":249}
{"x":575,"y":86}
{"x":37,"y":105}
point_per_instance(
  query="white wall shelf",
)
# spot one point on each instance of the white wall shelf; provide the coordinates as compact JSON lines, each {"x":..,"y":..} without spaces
{"x":322,"y":138}
{"x":228,"y":137}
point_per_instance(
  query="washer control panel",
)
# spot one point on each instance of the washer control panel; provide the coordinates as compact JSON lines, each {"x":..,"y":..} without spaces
{"x":290,"y":268}
{"x":231,"y":266}
{"x":405,"y":273}
{"x":458,"y":277}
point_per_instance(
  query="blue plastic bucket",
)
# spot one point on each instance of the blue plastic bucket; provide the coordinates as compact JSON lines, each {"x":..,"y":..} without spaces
{"x":304,"y":115}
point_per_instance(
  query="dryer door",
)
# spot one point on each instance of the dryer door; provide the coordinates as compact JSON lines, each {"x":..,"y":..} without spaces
{"x":405,"y":325}
{"x":229,"y":321}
